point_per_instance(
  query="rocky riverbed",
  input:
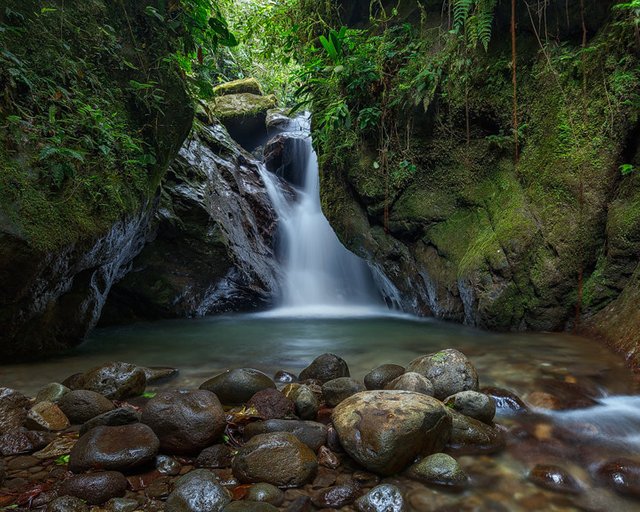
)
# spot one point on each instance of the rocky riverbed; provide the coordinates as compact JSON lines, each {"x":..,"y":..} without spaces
{"x":417,"y":438}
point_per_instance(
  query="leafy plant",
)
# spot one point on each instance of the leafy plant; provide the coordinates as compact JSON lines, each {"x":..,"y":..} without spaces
{"x":627,"y":169}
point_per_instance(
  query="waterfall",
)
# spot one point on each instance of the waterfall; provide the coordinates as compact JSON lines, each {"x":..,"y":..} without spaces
{"x":320,"y":276}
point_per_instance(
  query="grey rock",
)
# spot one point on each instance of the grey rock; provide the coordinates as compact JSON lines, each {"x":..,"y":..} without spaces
{"x":448,"y":370}
{"x":114,"y":418}
{"x":439,"y":469}
{"x":379,"y":377}
{"x":235,"y":387}
{"x":336,"y":390}
{"x":325,"y":368}
{"x":336,"y":496}
{"x":383,"y":498}
{"x":82,"y":405}
{"x":473,"y":404}
{"x":23,"y":441}
{"x":470,"y":436}
{"x":197,"y":491}
{"x":52,"y":392}
{"x":266,"y":493}
{"x":67,"y":504}
{"x":116,"y":381}
{"x":13,"y":410}
{"x":249,"y":506}
{"x":217,"y":456}
{"x":122,"y":505}
{"x":411,"y":381}
{"x":95,"y":488}
{"x":305,"y":401}
{"x":311,"y":433}
{"x":167,"y":465}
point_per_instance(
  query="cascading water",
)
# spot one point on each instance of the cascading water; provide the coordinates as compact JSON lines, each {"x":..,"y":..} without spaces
{"x":320,"y":274}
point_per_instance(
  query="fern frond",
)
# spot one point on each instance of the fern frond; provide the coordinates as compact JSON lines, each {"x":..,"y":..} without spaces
{"x":461,"y":9}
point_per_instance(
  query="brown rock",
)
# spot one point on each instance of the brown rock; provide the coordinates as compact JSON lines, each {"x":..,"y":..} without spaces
{"x":271,"y":404}
{"x":95,"y":488}
{"x":13,"y":410}
{"x":46,"y":416}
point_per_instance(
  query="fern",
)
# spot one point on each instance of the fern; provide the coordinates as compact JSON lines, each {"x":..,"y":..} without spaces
{"x":461,"y":9}
{"x":475,"y":18}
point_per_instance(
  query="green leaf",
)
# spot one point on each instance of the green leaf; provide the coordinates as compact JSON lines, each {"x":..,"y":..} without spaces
{"x":62,"y":460}
{"x":148,"y":394}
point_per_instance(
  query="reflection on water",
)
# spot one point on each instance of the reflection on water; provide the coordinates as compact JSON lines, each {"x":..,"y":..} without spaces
{"x":525,"y":363}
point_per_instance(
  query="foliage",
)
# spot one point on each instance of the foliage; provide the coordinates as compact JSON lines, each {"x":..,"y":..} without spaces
{"x":474,"y":18}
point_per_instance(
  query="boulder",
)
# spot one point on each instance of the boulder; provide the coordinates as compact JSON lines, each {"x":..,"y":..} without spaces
{"x":13,"y":410}
{"x":382,"y":498}
{"x":379,"y":377}
{"x":114,"y":418}
{"x":216,"y":456}
{"x":280,"y":459}
{"x":116,"y":381}
{"x":325,"y":368}
{"x":473,"y":404}
{"x":385,"y":430}
{"x":311,"y":433}
{"x":240,"y":86}
{"x":448,"y":370}
{"x":46,"y":416}
{"x":337,"y":390}
{"x":52,"y":392}
{"x":123,"y":448}
{"x":439,"y":469}
{"x":23,"y":441}
{"x":185,"y":422}
{"x":235,"y":387}
{"x":411,"y":381}
{"x":271,"y":404}
{"x":81,"y":405}
{"x":95,"y":488}
{"x":304,"y":399}
{"x":197,"y":491}
{"x":470,"y":436}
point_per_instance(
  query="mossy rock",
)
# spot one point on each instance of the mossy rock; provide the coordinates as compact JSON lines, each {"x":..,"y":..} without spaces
{"x":244,"y":85}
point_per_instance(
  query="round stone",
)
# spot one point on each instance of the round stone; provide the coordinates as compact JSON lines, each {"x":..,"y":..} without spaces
{"x":267,"y":493}
{"x":379,"y":377}
{"x":383,"y":498}
{"x":311,"y":433}
{"x":336,"y":390}
{"x":473,"y":404}
{"x":472,"y":437}
{"x":554,"y":478}
{"x":412,"y":381}
{"x":46,"y":416}
{"x":114,"y":418}
{"x":52,"y":392}
{"x":67,"y":504}
{"x":304,"y":399}
{"x":439,"y":469}
{"x":82,"y":405}
{"x":271,"y":404}
{"x":116,"y":381}
{"x":325,"y":368}
{"x":216,"y":457}
{"x":197,"y":491}
{"x":95,"y":488}
{"x":235,"y":387}
{"x":448,"y":370}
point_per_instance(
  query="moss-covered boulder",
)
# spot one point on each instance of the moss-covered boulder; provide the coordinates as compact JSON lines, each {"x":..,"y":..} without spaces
{"x":244,"y":85}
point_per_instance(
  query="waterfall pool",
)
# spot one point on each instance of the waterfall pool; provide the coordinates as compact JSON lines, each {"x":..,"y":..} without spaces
{"x":566,"y":365}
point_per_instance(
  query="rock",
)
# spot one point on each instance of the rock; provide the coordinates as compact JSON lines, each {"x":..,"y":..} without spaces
{"x":439,"y":469}
{"x":167,"y":465}
{"x":74,"y":382}
{"x":277,"y":120}
{"x":121,"y":448}
{"x":197,"y":491}
{"x":185,"y":422}
{"x":52,"y":392}
{"x":336,"y":390}
{"x":267,"y":493}
{"x":114,"y":418}
{"x":280,"y":459}
{"x":336,"y":496}
{"x":554,"y":478}
{"x":470,"y":436}
{"x":305,"y":401}
{"x":311,"y":433}
{"x":411,"y":381}
{"x":622,"y":475}
{"x":58,"y":447}
{"x":281,"y":156}
{"x":448,"y":370}
{"x":249,"y":85}
{"x":379,"y":377}
{"x":249,"y":506}
{"x":82,"y":405}
{"x":385,"y":430}
{"x":473,"y":404}
{"x":122,"y":505}
{"x":116,"y":381}
{"x":22,"y":462}
{"x":300,"y":504}
{"x":235,"y":387}
{"x":46,"y":416}
{"x":27,"y":441}
{"x":327,"y":458}
{"x":383,"y":498}
{"x":67,"y":504}
{"x":271,"y":404}
{"x":13,"y":410}
{"x":284,"y":377}
{"x":95,"y":488}
{"x":157,"y":374}
{"x":507,"y":402}
{"x":217,"y":456}
{"x":325,"y":368}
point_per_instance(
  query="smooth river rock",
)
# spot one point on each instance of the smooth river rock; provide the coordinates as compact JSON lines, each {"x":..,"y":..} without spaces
{"x":411,"y":381}
{"x":95,"y":488}
{"x":197,"y":491}
{"x":271,"y":404}
{"x":121,"y":448}
{"x":325,"y":368}
{"x":237,"y":386}
{"x":13,"y":410}
{"x":52,"y":392}
{"x":439,"y":469}
{"x":470,"y":436}
{"x":473,"y":404}
{"x":554,"y":478}
{"x":622,"y":475}
{"x":448,"y":370}
{"x":266,"y":493}
{"x":379,"y":377}
{"x":385,"y":430}
{"x":81,"y":405}
{"x":114,"y":418}
{"x":383,"y":498}
{"x":185,"y":422}
{"x":311,"y":433}
{"x":305,"y":401}
{"x":280,"y":459}
{"x":336,"y":390}
{"x":116,"y":381}
{"x":46,"y":416}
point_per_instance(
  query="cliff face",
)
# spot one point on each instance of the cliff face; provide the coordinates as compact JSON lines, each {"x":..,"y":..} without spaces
{"x":476,"y":238}
{"x":91,"y":116}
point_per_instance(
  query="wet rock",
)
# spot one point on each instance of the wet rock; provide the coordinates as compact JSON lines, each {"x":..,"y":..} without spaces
{"x":267,"y":493}
{"x":185,"y":422}
{"x":448,"y":370}
{"x":249,"y":506}
{"x":271,"y":404}
{"x":336,"y":390}
{"x":411,"y":381}
{"x":385,"y":430}
{"x":473,"y":404}
{"x":554,"y":478}
{"x":157,"y":374}
{"x":52,"y":392}
{"x":280,"y":459}
{"x":470,"y":436}
{"x":116,"y":381}
{"x":121,"y":448}
{"x":67,"y":504}
{"x":439,"y":469}
{"x":58,"y":447}
{"x":217,"y":456}
{"x":311,"y":433}
{"x":82,"y":405}
{"x":506,"y":401}
{"x":305,"y":401}
{"x":383,"y":498}
{"x":46,"y":416}
{"x":622,"y":475}
{"x":74,"y":381}
{"x":284,"y":377}
{"x":235,"y":387}
{"x":122,"y":505}
{"x":167,"y":465}
{"x":198,"y":491}
{"x":13,"y":410}
{"x":379,"y":377}
{"x":325,"y":368}
{"x":114,"y":418}
{"x":300,"y":504}
{"x":22,"y":462}
{"x":95,"y":488}
{"x":26,"y":441}
{"x":242,"y":85}
{"x":277,"y":120}
{"x":561,"y":395}
{"x":337,"y":496}
{"x":327,"y":458}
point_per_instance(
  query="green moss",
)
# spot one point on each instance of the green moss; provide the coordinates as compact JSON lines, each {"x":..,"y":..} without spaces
{"x":234,"y":106}
{"x":244,"y":85}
